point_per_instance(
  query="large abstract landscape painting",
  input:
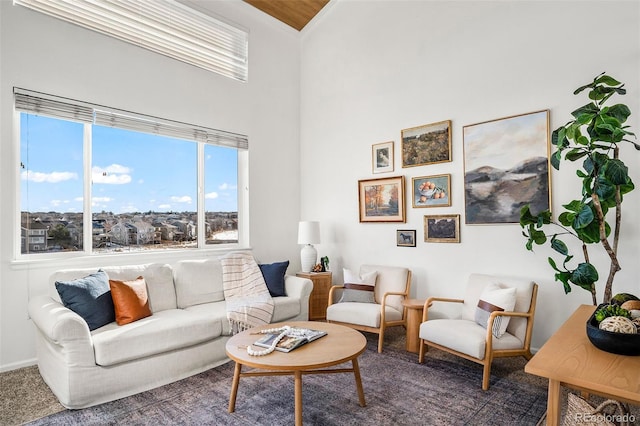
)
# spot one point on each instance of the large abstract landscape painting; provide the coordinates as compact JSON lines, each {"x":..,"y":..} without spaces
{"x":506,"y":165}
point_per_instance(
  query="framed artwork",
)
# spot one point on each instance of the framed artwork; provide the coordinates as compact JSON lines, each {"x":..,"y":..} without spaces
{"x":506,"y":165}
{"x":382,"y":157}
{"x":428,"y":144}
{"x":431,"y":191}
{"x":406,"y":237}
{"x":381,"y":200}
{"x":442,"y":228}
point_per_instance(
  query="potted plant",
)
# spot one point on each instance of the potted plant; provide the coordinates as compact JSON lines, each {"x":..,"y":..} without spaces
{"x":594,"y":217}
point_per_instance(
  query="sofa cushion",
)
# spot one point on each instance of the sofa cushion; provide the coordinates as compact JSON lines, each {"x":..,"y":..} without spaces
{"x":215,"y":312}
{"x":198,"y":281}
{"x":159,"y":280}
{"x":130,"y":300}
{"x":89,"y":297}
{"x":273,"y":274}
{"x":164,"y":331}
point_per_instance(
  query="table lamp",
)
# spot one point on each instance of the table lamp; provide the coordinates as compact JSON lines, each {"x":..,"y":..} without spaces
{"x":308,"y":234}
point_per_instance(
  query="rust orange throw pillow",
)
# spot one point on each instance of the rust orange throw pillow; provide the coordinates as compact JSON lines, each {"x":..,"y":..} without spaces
{"x":130,"y":300}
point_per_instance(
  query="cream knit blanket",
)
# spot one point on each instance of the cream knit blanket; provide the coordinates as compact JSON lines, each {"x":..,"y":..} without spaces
{"x":249,"y":303}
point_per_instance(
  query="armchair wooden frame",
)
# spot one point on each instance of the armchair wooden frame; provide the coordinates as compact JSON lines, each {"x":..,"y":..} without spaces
{"x":384,"y":324}
{"x":489,"y":353}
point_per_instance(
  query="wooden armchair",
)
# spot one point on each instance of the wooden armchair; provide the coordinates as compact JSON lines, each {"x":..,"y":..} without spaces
{"x":465,"y":337}
{"x":391,"y":288}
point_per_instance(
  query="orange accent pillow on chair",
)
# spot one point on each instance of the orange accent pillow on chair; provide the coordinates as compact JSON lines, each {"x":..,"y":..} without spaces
{"x":130,"y":300}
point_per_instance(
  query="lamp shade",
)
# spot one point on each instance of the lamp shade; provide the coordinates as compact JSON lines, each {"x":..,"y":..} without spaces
{"x":309,"y":233}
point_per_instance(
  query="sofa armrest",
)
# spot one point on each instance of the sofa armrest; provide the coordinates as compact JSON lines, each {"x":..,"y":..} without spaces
{"x":62,"y":329}
{"x":297,"y":287}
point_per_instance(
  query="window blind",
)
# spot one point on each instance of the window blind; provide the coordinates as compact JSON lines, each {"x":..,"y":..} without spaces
{"x":163,"y":26}
{"x":44,"y":104}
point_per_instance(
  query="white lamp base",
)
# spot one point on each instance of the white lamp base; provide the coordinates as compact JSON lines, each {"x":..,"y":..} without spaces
{"x":308,"y":257}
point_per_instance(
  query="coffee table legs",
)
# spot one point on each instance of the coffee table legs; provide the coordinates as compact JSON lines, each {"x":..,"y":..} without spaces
{"x":297,"y":375}
{"x":356,"y":373}
{"x":297,"y":385}
{"x":234,"y":387}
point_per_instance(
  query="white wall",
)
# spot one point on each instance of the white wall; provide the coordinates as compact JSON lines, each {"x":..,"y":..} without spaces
{"x":372,"y":68}
{"x":45,"y":54}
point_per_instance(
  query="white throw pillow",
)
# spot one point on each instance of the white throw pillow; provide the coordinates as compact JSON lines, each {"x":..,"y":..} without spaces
{"x":495,"y":298}
{"x":359,"y":288}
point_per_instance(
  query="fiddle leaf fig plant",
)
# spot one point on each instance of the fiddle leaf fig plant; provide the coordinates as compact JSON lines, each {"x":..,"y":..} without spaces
{"x":591,"y":138}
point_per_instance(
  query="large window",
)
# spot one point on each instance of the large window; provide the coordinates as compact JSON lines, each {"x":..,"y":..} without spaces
{"x":145,"y":183}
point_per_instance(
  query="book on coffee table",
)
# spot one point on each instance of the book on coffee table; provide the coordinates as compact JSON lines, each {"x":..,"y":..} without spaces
{"x":297,"y":338}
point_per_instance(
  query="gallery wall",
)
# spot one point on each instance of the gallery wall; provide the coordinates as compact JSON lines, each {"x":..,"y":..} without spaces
{"x":371,"y":69}
{"x":44,"y":54}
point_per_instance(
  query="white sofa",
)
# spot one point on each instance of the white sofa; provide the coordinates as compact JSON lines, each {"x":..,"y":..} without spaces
{"x":185,"y":335}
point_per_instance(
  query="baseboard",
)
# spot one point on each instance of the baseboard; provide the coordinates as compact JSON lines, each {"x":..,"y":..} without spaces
{"x":17,"y":365}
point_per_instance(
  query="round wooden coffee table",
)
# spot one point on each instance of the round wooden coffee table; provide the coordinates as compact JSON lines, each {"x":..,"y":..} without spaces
{"x":340,"y":345}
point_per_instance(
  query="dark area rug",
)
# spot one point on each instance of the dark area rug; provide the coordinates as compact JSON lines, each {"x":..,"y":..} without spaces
{"x":398,"y":391}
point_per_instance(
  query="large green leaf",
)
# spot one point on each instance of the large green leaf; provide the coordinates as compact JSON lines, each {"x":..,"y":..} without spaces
{"x":559,"y":246}
{"x":576,"y":154}
{"x":555,"y":159}
{"x":620,"y":111}
{"x":605,"y":79}
{"x":585,"y":275}
{"x":588,"y":110}
{"x":583,"y":218}
{"x":616,"y":172}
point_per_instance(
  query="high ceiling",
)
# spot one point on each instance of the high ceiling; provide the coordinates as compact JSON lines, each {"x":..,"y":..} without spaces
{"x":295,"y":13}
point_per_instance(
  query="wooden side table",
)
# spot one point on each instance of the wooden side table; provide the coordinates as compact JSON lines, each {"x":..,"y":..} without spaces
{"x":414,"y":319}
{"x":319,"y":297}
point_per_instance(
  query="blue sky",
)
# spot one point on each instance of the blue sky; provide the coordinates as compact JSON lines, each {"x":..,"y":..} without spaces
{"x":131,"y":171}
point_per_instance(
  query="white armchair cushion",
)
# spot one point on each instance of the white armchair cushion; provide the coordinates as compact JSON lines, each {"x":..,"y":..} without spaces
{"x":366,"y":314}
{"x":464,"y":336}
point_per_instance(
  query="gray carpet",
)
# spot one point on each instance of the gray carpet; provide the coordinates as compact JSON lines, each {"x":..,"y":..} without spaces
{"x":398,"y":391}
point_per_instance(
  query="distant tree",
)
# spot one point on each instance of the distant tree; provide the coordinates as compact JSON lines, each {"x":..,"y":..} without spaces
{"x":60,"y":236}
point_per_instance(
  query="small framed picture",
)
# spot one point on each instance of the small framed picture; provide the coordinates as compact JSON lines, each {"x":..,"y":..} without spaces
{"x":406,"y":237}
{"x":428,"y":144}
{"x":382,"y":157}
{"x":431,"y":191}
{"x":442,"y":228}
{"x":382,"y":199}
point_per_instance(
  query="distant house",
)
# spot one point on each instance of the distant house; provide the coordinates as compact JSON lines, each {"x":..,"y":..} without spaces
{"x":33,"y":236}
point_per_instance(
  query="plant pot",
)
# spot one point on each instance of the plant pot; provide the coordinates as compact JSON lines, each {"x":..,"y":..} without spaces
{"x":609,"y":341}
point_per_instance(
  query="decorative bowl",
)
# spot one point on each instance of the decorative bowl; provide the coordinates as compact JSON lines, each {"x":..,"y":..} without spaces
{"x":609,"y":341}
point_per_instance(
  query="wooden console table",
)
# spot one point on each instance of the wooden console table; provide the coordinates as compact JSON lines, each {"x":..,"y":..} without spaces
{"x":569,"y":359}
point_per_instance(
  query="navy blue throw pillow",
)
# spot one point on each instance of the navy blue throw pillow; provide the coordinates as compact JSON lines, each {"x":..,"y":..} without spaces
{"x":89,"y":297}
{"x":273,"y":274}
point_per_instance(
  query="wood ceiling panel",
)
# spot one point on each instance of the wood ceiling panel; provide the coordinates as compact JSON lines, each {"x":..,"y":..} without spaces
{"x":295,"y":13}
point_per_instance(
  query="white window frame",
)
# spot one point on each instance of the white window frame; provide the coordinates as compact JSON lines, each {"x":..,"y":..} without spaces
{"x":39,"y":103}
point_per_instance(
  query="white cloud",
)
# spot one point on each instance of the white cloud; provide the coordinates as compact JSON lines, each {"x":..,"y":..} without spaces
{"x":165,"y":206}
{"x":114,"y":174}
{"x":52,"y":177}
{"x":226,"y":187}
{"x":55,"y":203}
{"x":102,"y":199}
{"x":181,"y":199}
{"x":211,"y":195}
